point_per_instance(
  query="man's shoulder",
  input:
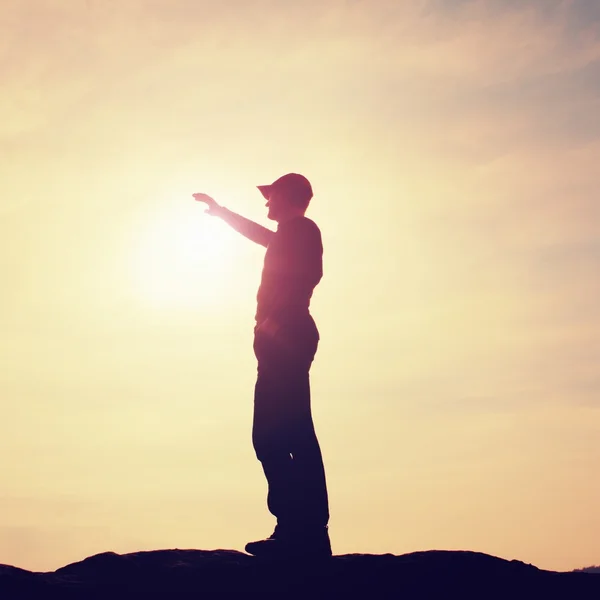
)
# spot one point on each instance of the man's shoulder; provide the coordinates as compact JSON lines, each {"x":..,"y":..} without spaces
{"x":310,"y":223}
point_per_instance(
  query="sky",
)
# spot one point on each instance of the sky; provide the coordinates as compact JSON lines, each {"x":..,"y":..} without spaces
{"x":453,"y":148}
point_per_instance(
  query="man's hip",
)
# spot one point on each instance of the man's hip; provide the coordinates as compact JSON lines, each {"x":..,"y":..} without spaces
{"x":284,"y":345}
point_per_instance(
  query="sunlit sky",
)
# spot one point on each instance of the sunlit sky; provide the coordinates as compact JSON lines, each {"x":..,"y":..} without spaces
{"x":453,"y":147}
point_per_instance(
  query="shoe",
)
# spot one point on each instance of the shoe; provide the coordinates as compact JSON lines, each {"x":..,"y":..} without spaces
{"x":298,"y":545}
{"x":268,"y":547}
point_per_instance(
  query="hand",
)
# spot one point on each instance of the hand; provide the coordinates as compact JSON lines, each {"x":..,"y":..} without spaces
{"x":212,"y":206}
{"x":269,"y":327}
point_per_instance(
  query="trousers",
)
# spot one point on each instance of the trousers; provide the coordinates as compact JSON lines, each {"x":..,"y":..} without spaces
{"x":283,"y":433}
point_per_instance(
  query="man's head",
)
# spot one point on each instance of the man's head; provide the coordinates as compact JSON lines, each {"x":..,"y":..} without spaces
{"x":287,"y":197}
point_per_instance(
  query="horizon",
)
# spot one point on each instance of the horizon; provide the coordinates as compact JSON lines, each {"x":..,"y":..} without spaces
{"x":452,"y":148}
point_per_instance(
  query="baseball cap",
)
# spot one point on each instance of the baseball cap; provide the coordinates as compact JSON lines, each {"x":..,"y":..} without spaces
{"x":292,"y":183}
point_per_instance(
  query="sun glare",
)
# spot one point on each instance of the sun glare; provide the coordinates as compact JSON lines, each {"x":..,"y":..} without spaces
{"x":182,"y":258}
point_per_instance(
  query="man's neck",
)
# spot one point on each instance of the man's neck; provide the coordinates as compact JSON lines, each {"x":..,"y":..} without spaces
{"x":290,"y":217}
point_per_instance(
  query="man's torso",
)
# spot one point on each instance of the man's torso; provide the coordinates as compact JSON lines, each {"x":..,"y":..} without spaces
{"x":292,"y":268}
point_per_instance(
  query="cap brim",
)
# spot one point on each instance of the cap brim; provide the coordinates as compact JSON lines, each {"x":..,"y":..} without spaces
{"x":264,"y":190}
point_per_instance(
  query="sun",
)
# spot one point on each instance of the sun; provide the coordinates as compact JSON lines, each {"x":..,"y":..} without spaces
{"x":182,"y":257}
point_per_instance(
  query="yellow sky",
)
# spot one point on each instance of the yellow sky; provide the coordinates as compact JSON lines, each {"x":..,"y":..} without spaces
{"x":453,"y":149}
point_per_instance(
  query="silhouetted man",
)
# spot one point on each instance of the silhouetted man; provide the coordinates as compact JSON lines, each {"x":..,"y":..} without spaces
{"x":285,"y":343}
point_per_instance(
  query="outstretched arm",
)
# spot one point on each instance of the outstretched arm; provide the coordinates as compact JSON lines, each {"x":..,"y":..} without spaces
{"x":253,"y":231}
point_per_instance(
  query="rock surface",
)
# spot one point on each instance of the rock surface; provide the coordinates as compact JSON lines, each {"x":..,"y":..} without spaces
{"x":228,"y":574}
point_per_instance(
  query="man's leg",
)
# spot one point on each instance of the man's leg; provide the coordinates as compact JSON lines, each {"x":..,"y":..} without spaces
{"x":309,"y":502}
{"x":285,"y":441}
{"x":271,"y":443}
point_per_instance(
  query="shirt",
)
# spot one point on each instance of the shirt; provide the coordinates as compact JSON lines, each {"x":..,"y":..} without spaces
{"x":293,"y":267}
